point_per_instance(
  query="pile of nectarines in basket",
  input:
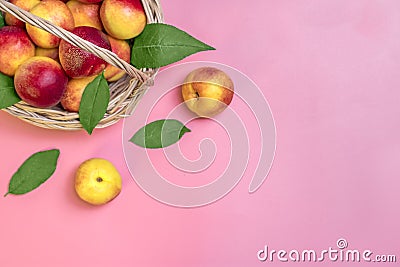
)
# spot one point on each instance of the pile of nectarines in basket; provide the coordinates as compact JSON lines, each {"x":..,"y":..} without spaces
{"x":49,"y":71}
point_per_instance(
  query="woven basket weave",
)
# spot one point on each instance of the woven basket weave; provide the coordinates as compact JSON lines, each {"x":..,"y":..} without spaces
{"x":125,"y":93}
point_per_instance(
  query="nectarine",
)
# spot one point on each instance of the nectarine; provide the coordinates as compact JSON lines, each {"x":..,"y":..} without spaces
{"x":40,"y":82}
{"x":25,"y":5}
{"x":72,"y":96}
{"x":47,"y":52}
{"x":57,"y":13}
{"x":207,"y":91}
{"x":85,"y":14}
{"x":123,"y":19}
{"x":15,"y":48}
{"x":79,"y":63}
{"x":122,"y":49}
{"x":97,"y":181}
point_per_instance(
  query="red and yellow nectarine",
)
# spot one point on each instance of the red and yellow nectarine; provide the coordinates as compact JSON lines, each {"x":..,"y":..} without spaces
{"x":40,"y":82}
{"x":79,"y":63}
{"x":15,"y":48}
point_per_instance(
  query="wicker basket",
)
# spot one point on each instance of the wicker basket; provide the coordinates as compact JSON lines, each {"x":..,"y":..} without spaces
{"x":125,"y":93}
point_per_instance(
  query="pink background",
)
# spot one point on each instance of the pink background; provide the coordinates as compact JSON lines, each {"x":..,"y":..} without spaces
{"x":329,"y":70}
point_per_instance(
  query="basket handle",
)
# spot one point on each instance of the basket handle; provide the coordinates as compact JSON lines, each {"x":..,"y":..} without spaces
{"x":103,"y":53}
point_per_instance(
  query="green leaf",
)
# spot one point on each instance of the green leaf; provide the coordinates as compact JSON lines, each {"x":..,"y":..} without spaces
{"x":8,"y":96}
{"x":33,"y":172}
{"x":94,"y":102}
{"x":162,"y":44}
{"x":160,"y":133}
{"x":1,"y":20}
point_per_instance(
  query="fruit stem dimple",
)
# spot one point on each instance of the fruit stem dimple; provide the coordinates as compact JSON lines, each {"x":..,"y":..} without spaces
{"x":99,"y":179}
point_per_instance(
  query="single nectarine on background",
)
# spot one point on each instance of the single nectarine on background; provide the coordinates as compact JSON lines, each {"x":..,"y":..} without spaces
{"x":97,"y":181}
{"x":79,"y":63}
